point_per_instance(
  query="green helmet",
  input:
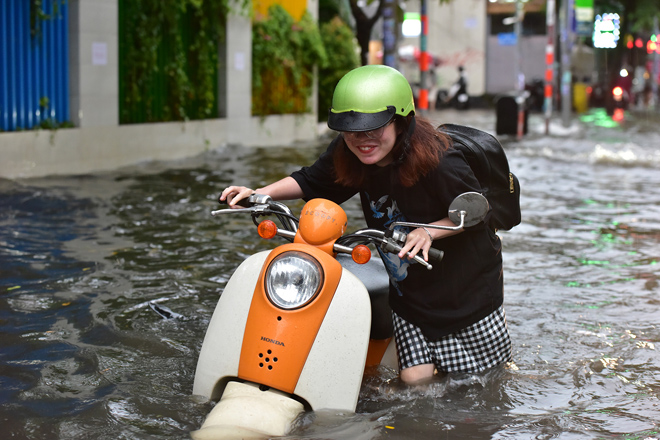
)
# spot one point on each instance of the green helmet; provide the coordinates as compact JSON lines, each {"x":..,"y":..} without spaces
{"x":368,"y":97}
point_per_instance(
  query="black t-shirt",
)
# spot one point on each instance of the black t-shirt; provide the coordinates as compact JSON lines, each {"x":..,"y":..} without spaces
{"x":467,"y":284}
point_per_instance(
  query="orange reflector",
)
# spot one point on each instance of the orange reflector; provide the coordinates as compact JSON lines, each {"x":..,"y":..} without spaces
{"x":361,"y":254}
{"x":267,"y":229}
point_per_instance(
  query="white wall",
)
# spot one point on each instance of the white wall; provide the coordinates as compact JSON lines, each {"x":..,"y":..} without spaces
{"x":457,"y":35}
{"x":501,"y":70}
{"x":91,"y":149}
{"x":93,"y":80}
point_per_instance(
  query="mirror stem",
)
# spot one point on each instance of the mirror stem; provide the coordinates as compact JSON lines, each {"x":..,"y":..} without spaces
{"x":426,"y":225}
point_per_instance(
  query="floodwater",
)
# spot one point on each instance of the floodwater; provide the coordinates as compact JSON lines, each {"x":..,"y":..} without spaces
{"x":83,"y":354}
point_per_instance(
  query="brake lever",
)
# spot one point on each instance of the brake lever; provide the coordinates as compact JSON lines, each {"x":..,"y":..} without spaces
{"x":258,"y":209}
{"x":420,"y":260}
{"x":389,"y":245}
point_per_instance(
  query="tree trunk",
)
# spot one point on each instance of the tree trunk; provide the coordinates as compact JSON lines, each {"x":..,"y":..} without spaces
{"x":364,"y":25}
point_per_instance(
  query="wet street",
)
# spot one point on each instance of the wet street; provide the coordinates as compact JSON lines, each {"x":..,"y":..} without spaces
{"x":84,"y":259}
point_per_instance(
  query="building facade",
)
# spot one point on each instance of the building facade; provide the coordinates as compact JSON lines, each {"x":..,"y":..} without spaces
{"x":98,"y":142}
{"x":471,"y":33}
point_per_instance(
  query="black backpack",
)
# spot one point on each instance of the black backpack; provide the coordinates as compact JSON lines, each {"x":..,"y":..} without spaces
{"x":486,"y":157}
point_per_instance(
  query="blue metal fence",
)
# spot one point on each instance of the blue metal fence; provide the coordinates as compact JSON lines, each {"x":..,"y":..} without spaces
{"x":34,"y":64}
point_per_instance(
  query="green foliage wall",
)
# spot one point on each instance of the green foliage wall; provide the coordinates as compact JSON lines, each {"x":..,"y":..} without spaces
{"x":284,"y":53}
{"x":168,"y":58}
{"x":341,"y":47}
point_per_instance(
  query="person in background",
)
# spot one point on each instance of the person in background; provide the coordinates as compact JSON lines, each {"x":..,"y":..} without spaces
{"x":433,"y":85}
{"x":449,"y":319}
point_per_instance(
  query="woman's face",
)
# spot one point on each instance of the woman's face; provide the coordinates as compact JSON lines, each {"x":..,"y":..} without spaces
{"x":373,"y":149}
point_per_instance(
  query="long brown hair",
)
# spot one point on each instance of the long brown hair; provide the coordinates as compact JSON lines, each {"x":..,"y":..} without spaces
{"x":414,"y":157}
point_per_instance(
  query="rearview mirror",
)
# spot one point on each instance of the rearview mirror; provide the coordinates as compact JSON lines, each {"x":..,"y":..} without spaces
{"x":472,"y":206}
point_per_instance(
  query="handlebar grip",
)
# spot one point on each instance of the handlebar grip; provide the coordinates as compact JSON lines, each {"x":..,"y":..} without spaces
{"x":245,"y":203}
{"x":435,"y":255}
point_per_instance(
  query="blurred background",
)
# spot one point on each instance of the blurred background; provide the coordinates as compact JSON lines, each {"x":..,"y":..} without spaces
{"x":91,"y":78}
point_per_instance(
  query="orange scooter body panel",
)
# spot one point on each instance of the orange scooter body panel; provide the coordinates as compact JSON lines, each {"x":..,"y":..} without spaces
{"x":321,"y":222}
{"x":277,"y":342}
{"x":377,"y":349}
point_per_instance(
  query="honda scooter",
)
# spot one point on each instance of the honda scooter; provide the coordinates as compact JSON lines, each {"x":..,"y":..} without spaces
{"x":296,"y":326}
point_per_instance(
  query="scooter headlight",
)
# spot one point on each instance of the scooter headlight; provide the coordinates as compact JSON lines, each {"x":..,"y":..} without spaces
{"x":293,"y":279}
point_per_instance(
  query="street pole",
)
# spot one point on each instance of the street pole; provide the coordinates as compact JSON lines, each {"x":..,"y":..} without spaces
{"x":566,"y":49}
{"x":423,"y":62}
{"x":520,"y":76}
{"x":656,"y":68}
{"x":549,"y":63}
{"x":389,"y":34}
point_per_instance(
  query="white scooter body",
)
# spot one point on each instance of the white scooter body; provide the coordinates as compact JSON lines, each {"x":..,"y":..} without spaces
{"x":333,"y":370}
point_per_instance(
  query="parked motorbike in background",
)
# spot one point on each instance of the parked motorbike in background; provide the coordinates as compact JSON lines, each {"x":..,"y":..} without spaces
{"x":457,"y":96}
{"x":296,"y":326}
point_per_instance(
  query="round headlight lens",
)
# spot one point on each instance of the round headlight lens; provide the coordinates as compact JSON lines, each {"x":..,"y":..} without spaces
{"x":293,"y":279}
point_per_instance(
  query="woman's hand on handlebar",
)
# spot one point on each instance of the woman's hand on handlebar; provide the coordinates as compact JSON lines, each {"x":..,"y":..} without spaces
{"x":234,"y":194}
{"x":284,"y":189}
{"x":417,"y":240}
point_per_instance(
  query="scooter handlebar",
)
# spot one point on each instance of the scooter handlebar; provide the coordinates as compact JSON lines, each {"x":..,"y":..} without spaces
{"x":390,"y":241}
{"x":253,"y":199}
{"x":389,"y":245}
{"x":435,"y":255}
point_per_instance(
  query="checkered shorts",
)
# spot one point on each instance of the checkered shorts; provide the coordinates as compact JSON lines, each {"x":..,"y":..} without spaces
{"x":475,"y":348}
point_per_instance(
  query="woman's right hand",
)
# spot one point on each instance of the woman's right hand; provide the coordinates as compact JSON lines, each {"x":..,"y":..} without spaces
{"x":233,"y":194}
{"x":284,"y":189}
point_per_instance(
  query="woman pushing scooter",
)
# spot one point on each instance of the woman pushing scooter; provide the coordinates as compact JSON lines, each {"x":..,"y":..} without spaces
{"x":448,"y":319}
{"x":296,"y":326}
